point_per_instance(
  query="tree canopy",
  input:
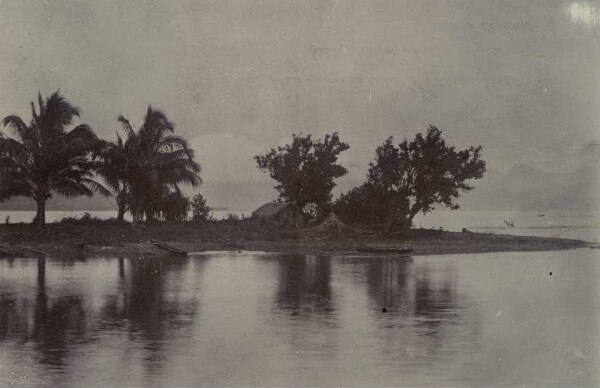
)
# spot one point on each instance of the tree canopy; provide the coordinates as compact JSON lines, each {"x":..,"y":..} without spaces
{"x":305,"y":170}
{"x":413,"y":177}
{"x":151,"y":163}
{"x":200,"y":210}
{"x":45,"y":158}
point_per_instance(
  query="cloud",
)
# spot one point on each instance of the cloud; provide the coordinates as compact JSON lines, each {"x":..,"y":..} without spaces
{"x":582,"y":12}
{"x":238,"y":77}
{"x":225,"y":156}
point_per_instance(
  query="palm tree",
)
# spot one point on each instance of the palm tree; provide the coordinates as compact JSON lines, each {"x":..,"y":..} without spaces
{"x":148,"y":162}
{"x":113,"y":169}
{"x":44,"y":158}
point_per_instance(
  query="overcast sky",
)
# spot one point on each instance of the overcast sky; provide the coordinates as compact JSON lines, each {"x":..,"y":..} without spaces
{"x":520,"y":78}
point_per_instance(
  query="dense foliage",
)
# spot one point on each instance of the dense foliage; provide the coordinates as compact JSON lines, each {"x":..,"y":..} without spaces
{"x":416,"y":176}
{"x":413,"y":177}
{"x":359,"y":206}
{"x":200,"y":210}
{"x":168,"y":206}
{"x":150,"y":164}
{"x":45,"y":158}
{"x":305,"y":170}
{"x":145,"y":168}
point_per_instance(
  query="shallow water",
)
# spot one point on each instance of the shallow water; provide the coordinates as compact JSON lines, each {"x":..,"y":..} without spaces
{"x":493,"y":319}
{"x":580,"y":225}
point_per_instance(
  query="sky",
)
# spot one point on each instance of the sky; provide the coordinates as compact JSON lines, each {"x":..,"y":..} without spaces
{"x":520,"y":78}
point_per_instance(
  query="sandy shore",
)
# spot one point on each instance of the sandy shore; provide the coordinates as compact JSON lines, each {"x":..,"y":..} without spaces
{"x":422,"y":242}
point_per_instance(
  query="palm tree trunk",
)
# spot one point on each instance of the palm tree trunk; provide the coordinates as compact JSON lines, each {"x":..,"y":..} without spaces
{"x":122,"y":204}
{"x":40,"y":216}
{"x":137,"y":215}
{"x":121,"y":213}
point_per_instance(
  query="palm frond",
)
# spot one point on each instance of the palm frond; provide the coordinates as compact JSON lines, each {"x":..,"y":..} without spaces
{"x":17,"y":125}
{"x":97,"y":187}
{"x":57,"y":112}
{"x":71,"y":189}
{"x":13,"y":186}
{"x":12,"y":148}
{"x":129,"y":131}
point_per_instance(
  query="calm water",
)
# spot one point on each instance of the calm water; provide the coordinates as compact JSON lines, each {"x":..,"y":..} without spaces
{"x":581,"y":225}
{"x":494,"y":319}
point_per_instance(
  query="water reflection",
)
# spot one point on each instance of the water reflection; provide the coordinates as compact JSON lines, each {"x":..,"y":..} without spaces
{"x":304,"y":285}
{"x":60,"y":316}
{"x":142,"y":306}
{"x":388,"y":284}
{"x":436,"y":299}
{"x":292,"y":319}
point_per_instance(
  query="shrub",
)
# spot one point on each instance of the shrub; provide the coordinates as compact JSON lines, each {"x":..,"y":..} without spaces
{"x":200,"y":210}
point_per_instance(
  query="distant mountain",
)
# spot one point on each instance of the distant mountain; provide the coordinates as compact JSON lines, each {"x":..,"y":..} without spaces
{"x":527,"y":188}
{"x":228,"y":196}
{"x":522,"y":188}
{"x":60,"y":203}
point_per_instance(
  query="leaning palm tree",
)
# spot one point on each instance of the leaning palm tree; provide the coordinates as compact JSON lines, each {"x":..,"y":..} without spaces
{"x":44,"y":158}
{"x":149,"y":161}
{"x":113,"y":168}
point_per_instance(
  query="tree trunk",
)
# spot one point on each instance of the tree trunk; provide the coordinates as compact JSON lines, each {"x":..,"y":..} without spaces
{"x":121,"y":213}
{"x":137,"y":214}
{"x":409,"y":220}
{"x":137,"y":217}
{"x":413,"y":212}
{"x":135,"y":207}
{"x":122,"y":204}
{"x":387,"y":226}
{"x":40,"y":217}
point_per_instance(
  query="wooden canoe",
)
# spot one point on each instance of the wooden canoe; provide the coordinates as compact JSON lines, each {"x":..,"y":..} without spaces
{"x":169,"y":248}
{"x":383,"y":249}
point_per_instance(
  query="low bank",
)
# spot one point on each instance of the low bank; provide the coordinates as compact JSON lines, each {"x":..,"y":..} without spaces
{"x":111,"y":238}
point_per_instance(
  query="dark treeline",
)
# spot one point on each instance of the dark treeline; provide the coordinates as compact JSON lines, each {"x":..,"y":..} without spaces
{"x":403,"y":180}
{"x":143,"y":169}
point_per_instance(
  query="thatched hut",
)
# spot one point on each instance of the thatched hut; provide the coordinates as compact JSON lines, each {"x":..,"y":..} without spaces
{"x":284,"y":214}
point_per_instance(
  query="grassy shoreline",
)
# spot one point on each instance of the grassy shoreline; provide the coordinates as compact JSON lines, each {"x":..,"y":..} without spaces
{"x":94,"y":237}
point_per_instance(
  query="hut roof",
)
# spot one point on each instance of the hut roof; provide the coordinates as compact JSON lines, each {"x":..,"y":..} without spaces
{"x":270,"y":209}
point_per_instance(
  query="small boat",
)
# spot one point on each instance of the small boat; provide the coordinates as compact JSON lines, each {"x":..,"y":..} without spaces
{"x":169,"y":248}
{"x":383,"y":249}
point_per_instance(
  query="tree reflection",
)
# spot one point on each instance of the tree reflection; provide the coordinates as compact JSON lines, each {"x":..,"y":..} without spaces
{"x":56,"y":324}
{"x":423,"y":308}
{"x":147,"y":305}
{"x":304,"y":285}
{"x":10,"y":320}
{"x":388,"y":284}
{"x":436,"y":300}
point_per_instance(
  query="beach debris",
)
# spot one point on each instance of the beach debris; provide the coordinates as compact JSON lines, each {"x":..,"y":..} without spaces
{"x":509,"y":224}
{"x":169,"y":248}
{"x":38,"y":251}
